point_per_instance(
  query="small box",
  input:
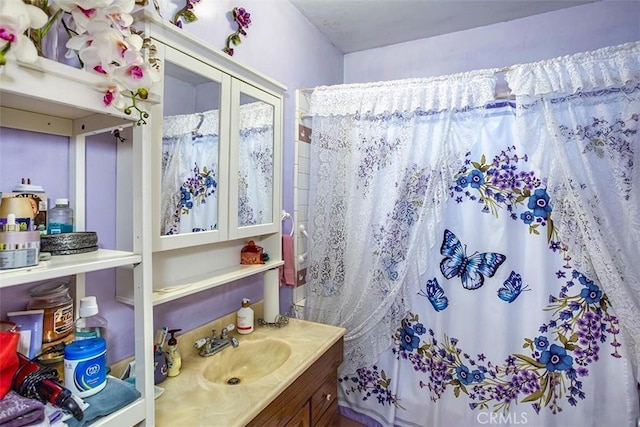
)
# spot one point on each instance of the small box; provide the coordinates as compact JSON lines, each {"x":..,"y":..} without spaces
{"x":251,"y":254}
{"x":38,"y":204}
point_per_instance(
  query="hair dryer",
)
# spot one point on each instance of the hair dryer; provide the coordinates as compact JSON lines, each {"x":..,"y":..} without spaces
{"x":39,"y":382}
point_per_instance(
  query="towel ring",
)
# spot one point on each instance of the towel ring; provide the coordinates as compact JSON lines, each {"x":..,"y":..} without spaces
{"x":286,"y":215}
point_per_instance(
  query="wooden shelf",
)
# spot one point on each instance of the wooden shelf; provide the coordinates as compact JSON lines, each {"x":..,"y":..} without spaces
{"x":66,"y":265}
{"x":203,"y":282}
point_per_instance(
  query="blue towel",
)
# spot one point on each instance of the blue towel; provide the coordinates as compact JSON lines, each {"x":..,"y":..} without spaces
{"x":115,"y":395}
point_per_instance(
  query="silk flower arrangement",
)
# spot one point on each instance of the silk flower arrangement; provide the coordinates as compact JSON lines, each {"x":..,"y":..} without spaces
{"x":100,"y":35}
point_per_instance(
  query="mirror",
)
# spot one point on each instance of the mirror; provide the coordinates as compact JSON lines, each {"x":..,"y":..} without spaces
{"x":256,"y":162}
{"x":190,"y":178}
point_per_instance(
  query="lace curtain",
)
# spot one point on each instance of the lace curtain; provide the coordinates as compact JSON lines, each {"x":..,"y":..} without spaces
{"x":585,"y":109}
{"x":255,"y":173}
{"x":190,"y":147}
{"x":190,"y":173}
{"x":383,"y":155}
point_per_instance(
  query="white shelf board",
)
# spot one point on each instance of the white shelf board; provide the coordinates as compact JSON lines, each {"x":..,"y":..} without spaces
{"x":66,"y":265}
{"x":50,"y":87}
{"x":210,"y":280}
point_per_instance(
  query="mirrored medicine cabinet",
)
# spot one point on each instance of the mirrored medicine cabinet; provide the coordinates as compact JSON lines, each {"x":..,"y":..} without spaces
{"x":216,"y":157}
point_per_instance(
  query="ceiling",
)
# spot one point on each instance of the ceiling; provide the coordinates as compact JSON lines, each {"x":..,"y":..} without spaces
{"x":354,"y":25}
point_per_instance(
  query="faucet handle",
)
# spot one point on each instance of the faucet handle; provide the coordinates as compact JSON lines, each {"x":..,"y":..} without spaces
{"x":227,"y":329}
{"x":201,"y":342}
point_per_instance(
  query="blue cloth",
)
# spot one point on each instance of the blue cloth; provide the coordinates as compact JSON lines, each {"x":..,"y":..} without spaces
{"x":115,"y":395}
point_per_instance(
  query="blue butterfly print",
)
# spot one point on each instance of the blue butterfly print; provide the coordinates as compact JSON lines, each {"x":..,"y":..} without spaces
{"x":470,"y":269}
{"x":435,"y":293}
{"x":512,"y":288}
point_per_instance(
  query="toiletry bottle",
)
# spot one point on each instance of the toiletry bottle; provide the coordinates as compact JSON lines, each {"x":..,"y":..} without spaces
{"x":244,"y":318}
{"x":90,"y":324}
{"x":60,"y":218}
{"x":174,"y":361}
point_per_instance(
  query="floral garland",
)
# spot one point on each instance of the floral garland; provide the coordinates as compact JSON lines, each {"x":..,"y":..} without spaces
{"x":100,"y":36}
{"x":558,"y":358}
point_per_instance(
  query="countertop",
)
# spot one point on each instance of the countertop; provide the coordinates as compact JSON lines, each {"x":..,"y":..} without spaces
{"x":191,"y":399}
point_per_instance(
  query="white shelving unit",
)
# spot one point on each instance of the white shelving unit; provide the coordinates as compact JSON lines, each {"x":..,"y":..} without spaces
{"x":57,"y":99}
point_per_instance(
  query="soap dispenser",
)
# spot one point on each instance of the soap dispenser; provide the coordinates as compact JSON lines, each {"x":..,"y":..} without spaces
{"x":244,"y":318}
{"x":174,"y":361}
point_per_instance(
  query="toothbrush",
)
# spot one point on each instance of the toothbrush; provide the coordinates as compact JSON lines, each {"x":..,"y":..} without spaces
{"x":165,"y":330}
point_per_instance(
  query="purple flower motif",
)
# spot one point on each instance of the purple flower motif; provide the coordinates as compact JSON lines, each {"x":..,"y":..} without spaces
{"x":527,"y":217}
{"x":419,"y":329}
{"x":408,"y":340}
{"x":462,"y":182}
{"x":542,"y":342}
{"x":477,"y":376}
{"x":539,"y":202}
{"x":556,"y":359}
{"x":476,"y":178}
{"x":591,"y":294}
{"x":462,"y":372}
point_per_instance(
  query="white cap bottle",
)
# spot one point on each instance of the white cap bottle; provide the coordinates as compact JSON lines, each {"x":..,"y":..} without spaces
{"x":244,"y":318}
{"x":90,"y":324}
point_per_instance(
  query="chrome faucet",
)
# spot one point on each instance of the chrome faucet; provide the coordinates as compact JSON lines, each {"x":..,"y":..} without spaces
{"x":211,"y":345}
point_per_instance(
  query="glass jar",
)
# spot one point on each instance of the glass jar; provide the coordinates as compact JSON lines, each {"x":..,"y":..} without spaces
{"x":54,"y":299}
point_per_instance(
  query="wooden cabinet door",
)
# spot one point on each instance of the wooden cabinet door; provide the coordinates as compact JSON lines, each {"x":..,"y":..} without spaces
{"x":301,"y":418}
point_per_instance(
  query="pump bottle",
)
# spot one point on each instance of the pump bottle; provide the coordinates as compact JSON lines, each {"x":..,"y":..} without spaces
{"x":244,"y":318}
{"x":174,"y":360}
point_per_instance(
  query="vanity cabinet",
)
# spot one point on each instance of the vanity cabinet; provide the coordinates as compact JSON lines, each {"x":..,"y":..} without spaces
{"x":311,"y":400}
{"x":56,"y":99}
{"x":215,"y":165}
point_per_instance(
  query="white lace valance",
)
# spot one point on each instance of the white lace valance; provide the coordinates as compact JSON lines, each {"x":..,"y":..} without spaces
{"x":206,"y":123}
{"x":456,"y":91}
{"x":608,"y":67}
{"x":256,"y":115}
{"x":252,"y":116}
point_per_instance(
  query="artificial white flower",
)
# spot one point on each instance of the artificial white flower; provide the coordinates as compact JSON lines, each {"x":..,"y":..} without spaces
{"x":84,"y":12}
{"x":15,"y":18}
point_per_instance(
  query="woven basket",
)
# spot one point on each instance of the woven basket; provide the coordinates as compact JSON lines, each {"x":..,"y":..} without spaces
{"x":69,"y":243}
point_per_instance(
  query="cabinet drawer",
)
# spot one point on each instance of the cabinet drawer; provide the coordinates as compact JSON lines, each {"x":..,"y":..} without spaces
{"x":325,"y":397}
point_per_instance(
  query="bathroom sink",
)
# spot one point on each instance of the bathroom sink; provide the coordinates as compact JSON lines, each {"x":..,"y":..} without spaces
{"x":248,"y":362}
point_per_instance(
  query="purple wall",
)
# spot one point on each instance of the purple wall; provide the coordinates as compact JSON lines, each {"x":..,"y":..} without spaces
{"x":576,"y":29}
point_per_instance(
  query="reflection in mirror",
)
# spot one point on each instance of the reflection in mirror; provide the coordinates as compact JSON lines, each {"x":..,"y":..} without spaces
{"x":190,"y":152}
{"x":255,"y":152}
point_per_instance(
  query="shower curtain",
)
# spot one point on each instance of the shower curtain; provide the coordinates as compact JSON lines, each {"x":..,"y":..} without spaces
{"x":475,"y":251}
{"x":190,"y":147}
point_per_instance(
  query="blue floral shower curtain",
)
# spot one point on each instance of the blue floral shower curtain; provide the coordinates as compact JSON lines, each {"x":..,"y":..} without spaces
{"x":505,"y":323}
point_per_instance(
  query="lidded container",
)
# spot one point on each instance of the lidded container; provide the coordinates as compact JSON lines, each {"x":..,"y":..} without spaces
{"x":54,"y":299}
{"x":90,"y":324}
{"x":85,"y":366}
{"x":60,"y":218}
